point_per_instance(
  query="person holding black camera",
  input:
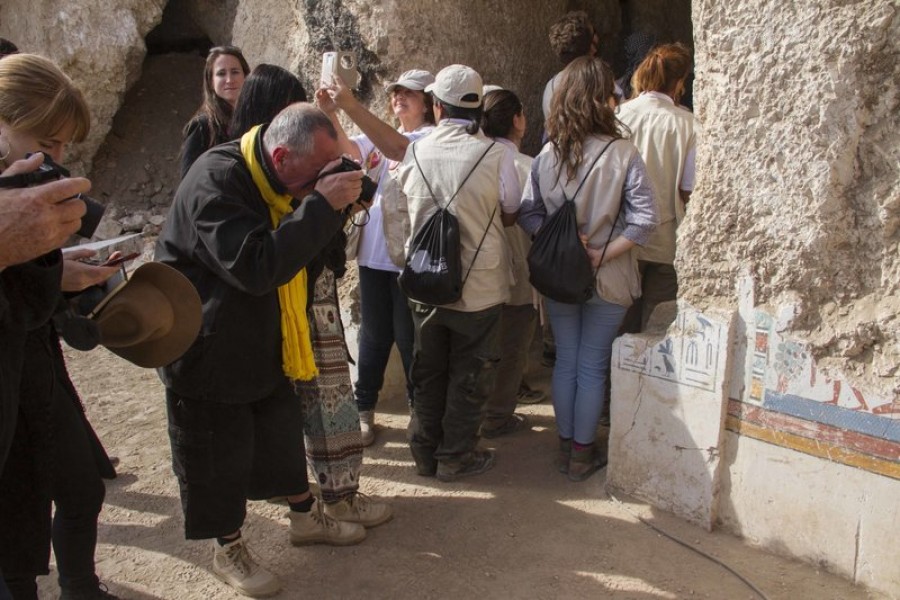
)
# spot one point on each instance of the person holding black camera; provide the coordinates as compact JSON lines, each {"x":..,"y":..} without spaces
{"x":331,"y":425}
{"x":55,"y":455}
{"x":246,"y":222}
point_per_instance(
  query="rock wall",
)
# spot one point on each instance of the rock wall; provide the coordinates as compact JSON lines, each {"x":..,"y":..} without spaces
{"x":506,"y":43}
{"x":799,"y":174}
{"x":99,"y":44}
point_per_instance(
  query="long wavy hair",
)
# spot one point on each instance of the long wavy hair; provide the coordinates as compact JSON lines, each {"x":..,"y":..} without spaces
{"x":580,"y":109}
{"x":216,"y":110}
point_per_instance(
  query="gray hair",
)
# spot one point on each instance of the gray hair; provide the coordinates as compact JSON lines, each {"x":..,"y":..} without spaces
{"x":295,"y":128}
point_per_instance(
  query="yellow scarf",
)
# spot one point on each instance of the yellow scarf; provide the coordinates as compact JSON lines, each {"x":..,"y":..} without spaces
{"x":296,"y":343}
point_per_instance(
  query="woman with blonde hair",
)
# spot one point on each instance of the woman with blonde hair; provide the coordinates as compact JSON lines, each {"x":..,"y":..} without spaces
{"x":666,"y":136}
{"x":587,"y":162}
{"x":223,"y":77}
{"x":55,"y":454}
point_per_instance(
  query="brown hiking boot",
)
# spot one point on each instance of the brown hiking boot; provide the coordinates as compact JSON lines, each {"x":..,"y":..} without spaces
{"x":563,"y":455}
{"x":585,"y":462}
{"x":478,"y":461}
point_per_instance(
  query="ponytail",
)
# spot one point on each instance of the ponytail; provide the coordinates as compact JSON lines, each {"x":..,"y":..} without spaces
{"x":662,"y":70}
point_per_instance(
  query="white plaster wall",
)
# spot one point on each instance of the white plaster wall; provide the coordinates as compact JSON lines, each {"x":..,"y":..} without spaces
{"x":843,"y":518}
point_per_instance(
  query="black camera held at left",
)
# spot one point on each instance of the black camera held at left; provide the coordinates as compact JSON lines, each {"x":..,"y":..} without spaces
{"x":368,"y":186}
{"x":50,"y":171}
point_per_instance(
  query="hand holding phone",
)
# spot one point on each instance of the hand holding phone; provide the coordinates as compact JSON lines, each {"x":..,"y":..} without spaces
{"x":114,"y":260}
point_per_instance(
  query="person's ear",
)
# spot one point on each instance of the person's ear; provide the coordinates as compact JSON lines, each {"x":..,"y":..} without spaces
{"x":279,"y":155}
{"x":519,"y":121}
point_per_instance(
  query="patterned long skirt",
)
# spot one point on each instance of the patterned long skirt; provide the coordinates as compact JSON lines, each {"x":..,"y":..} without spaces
{"x":331,"y":419}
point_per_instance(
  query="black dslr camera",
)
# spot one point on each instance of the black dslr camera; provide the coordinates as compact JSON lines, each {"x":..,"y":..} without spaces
{"x":50,"y":171}
{"x":368,"y":186}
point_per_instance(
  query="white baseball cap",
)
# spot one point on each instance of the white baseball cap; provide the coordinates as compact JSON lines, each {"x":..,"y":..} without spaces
{"x":454,"y":83}
{"x":415,"y":79}
{"x":488,"y":88}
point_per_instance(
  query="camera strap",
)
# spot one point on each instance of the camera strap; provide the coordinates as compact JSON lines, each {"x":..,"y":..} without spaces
{"x":21,"y":180}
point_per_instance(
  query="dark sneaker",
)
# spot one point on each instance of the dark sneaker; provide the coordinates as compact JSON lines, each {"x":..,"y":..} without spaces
{"x":512,"y":424}
{"x":98,"y":592}
{"x":527,"y":395}
{"x":548,"y":359}
{"x":478,"y":461}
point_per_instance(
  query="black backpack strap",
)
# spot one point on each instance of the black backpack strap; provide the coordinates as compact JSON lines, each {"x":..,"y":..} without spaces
{"x":453,"y":197}
{"x":616,"y":220}
{"x":588,"y":172}
{"x":477,"y":250}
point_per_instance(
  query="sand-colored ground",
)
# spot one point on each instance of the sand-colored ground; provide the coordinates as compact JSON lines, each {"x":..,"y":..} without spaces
{"x":520,"y":531}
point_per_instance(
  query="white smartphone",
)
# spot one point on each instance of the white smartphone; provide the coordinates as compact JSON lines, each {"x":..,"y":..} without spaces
{"x":342,"y":64}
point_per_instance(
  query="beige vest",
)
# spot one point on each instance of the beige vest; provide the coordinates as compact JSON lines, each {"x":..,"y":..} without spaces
{"x":446,"y":156}
{"x":520,"y":292}
{"x":663,"y":133}
{"x":597,"y":207}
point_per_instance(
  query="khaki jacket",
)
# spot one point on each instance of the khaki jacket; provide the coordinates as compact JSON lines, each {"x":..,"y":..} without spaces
{"x":446,"y":157}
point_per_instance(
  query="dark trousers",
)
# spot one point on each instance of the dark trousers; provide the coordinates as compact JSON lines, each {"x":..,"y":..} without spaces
{"x":226,"y":454}
{"x":77,"y":491}
{"x":386,"y":320}
{"x":516,"y":331}
{"x":659,"y":283}
{"x":453,"y":371}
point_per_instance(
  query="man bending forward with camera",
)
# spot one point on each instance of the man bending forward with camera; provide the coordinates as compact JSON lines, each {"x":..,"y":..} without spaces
{"x":247,"y":219}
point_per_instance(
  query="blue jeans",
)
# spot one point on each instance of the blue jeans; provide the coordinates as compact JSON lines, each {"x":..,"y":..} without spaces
{"x":584,"y":335}
{"x":385,"y":320}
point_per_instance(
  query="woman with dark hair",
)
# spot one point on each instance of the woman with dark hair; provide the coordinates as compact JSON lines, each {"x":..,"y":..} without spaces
{"x":331,"y":423}
{"x":665,"y":134}
{"x":615,"y":211}
{"x":267,"y":90}
{"x":386,"y":318}
{"x":504,"y":121}
{"x":223,"y":77}
{"x":55,"y":455}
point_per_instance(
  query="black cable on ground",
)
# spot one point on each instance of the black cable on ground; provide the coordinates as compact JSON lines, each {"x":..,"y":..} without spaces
{"x":746,"y":581}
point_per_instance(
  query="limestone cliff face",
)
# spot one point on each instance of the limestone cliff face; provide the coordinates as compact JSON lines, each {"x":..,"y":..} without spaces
{"x":98,"y":43}
{"x":506,"y":43}
{"x":799,"y":164}
{"x":799,"y":167}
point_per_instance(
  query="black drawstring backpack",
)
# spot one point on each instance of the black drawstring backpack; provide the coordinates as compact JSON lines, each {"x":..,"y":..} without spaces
{"x":433,"y":271}
{"x":558,"y":264}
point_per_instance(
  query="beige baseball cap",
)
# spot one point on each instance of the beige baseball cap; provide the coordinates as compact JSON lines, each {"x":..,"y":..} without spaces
{"x":415,"y":79}
{"x":456,"y":82}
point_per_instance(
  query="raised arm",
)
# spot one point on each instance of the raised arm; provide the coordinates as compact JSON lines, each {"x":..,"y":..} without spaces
{"x":388,"y":140}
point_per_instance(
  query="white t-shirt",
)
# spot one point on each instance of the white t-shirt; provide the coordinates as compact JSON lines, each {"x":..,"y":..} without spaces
{"x":373,"y":251}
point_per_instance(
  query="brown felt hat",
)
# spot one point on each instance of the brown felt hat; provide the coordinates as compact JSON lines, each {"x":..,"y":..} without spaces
{"x":152,"y":319}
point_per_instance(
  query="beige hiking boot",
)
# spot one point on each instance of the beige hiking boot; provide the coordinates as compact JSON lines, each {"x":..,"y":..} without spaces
{"x":315,"y":527}
{"x":367,"y":426}
{"x":361,"y":509}
{"x":234,"y":565}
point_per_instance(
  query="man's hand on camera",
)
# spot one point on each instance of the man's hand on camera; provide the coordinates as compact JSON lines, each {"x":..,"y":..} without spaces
{"x":36,"y":220}
{"x":340,"y":189}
